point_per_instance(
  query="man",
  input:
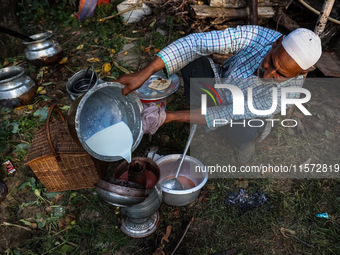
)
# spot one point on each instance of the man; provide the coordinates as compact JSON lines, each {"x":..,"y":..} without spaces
{"x":258,"y":53}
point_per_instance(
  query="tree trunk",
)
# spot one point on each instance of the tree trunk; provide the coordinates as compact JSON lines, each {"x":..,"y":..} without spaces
{"x":9,"y":46}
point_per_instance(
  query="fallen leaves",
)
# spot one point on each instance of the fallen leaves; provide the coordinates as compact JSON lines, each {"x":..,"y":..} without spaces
{"x":63,"y":61}
{"x":67,"y":221}
{"x":165,"y":238}
{"x":285,"y":231}
{"x":80,"y":47}
{"x":41,"y":90}
{"x":92,"y":60}
{"x":121,"y":68}
{"x":107,"y":67}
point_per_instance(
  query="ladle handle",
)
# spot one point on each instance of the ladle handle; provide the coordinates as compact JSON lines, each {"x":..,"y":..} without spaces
{"x":191,"y":135}
{"x":16,"y":34}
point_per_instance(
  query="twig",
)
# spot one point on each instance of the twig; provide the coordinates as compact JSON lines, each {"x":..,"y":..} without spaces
{"x":185,"y":232}
{"x":121,"y":68}
{"x":120,"y":13}
{"x":138,"y":251}
{"x":63,"y":239}
{"x":15,"y":225}
{"x":310,"y":246}
{"x":70,"y":69}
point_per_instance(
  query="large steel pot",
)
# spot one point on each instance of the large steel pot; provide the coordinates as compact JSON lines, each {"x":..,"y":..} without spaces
{"x":168,"y":166}
{"x":44,"y":50}
{"x":16,"y":88}
{"x":102,"y":106}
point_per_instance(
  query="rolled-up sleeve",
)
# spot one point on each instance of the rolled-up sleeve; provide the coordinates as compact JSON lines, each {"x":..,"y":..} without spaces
{"x":184,"y":50}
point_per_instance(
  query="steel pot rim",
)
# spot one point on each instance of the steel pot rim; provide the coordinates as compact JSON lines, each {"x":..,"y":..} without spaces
{"x":186,"y":191}
{"x":133,"y":96}
{"x":20,"y":70}
{"x":47,"y":35}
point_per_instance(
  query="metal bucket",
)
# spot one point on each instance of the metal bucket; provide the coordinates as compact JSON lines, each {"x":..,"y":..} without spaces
{"x":81,"y":82}
{"x":168,"y":166}
{"x":102,"y":106}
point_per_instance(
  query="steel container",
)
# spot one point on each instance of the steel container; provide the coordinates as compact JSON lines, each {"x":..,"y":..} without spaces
{"x":16,"y":88}
{"x":102,"y":106}
{"x":44,"y":50}
{"x":82,"y":76}
{"x":168,"y":167}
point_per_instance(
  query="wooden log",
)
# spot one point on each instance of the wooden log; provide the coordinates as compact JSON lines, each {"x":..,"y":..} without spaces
{"x":243,"y":4}
{"x":322,"y":20}
{"x":284,"y":20}
{"x":205,"y":11}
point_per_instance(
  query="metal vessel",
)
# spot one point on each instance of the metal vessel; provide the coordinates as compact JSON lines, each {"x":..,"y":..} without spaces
{"x":168,"y":166}
{"x":43,"y":50}
{"x":139,"y":204}
{"x":16,"y":88}
{"x":102,"y":106}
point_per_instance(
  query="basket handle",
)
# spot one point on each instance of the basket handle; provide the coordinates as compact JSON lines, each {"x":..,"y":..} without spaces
{"x":48,"y":120}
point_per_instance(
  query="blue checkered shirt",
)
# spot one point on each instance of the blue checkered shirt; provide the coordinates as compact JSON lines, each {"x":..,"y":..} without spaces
{"x":249,"y":44}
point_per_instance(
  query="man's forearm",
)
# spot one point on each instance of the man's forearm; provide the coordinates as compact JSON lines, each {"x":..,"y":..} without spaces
{"x":193,"y":116}
{"x":154,"y":66}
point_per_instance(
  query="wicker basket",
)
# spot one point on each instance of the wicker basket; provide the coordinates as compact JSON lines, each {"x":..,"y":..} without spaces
{"x":58,"y":161}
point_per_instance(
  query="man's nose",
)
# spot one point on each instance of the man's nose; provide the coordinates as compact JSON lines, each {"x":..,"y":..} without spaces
{"x":269,"y":73}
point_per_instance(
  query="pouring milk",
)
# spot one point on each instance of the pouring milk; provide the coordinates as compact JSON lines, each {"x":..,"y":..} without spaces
{"x":115,"y":140}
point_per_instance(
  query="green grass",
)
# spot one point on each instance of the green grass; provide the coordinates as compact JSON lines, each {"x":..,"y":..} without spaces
{"x":292,"y":203}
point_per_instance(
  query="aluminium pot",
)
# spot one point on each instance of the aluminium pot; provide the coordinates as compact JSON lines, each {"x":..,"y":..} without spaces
{"x":43,"y":51}
{"x":168,"y":166}
{"x":16,"y":88}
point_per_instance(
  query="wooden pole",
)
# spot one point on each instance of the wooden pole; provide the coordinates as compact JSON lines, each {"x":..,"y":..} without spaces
{"x":322,"y":20}
{"x":253,"y":12}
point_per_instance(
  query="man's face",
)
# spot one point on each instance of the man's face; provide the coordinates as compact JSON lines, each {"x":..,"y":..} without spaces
{"x":278,"y":65}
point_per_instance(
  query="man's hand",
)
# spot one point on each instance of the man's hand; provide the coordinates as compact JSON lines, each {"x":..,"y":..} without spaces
{"x":132,"y":81}
{"x":135,"y":80}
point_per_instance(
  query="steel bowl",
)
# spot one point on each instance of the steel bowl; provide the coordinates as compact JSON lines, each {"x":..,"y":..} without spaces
{"x":168,"y":166}
{"x":102,"y":106}
{"x":16,"y":88}
{"x":44,"y":50}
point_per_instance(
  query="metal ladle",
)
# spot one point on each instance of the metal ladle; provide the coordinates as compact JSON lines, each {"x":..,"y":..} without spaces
{"x":174,"y":183}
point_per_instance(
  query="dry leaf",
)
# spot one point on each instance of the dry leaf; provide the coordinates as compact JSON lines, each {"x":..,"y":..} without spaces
{"x":157,"y":50}
{"x":40,"y":89}
{"x":242,"y":184}
{"x":6,"y":62}
{"x":79,"y":47}
{"x":107,"y":67}
{"x":34,"y":225}
{"x":112,"y":51}
{"x":96,"y":40}
{"x":93,"y":60}
{"x":211,"y":187}
{"x":285,"y":231}
{"x":167,"y":234}
{"x":63,"y":61}
{"x":175,"y":212}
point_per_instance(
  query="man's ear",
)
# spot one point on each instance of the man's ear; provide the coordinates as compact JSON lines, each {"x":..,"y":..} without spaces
{"x":277,"y":42}
{"x":312,"y":68}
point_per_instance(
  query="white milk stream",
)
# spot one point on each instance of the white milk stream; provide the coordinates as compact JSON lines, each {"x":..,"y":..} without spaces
{"x":115,"y":140}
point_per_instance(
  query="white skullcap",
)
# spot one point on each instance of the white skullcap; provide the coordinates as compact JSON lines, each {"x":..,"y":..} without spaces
{"x":304,"y":46}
